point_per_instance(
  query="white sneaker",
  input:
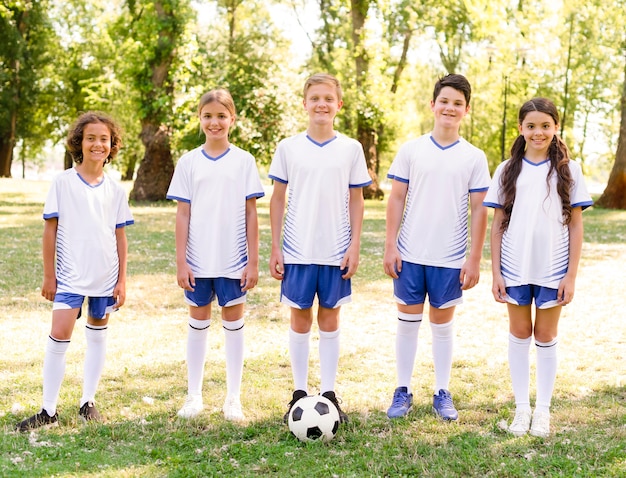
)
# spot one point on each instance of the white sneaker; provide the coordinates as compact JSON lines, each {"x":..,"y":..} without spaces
{"x":541,"y":424}
{"x":232,"y":409}
{"x":521,"y":423}
{"x":192,"y":407}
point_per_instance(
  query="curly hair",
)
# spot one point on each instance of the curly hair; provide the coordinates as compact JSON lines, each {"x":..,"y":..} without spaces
{"x":559,"y":157}
{"x":74,"y":140}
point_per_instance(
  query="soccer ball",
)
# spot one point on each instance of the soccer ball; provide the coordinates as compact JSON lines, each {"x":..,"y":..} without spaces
{"x":313,"y":418}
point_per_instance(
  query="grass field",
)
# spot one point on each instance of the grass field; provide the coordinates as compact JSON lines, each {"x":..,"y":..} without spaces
{"x":144,"y":381}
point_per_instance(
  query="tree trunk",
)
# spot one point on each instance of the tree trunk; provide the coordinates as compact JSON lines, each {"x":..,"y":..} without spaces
{"x":156,"y":168}
{"x":365,"y":133}
{"x":6,"y":156}
{"x":614,"y":196}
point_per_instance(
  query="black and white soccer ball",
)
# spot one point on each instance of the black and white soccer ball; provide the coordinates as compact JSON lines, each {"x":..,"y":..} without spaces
{"x":313,"y":418}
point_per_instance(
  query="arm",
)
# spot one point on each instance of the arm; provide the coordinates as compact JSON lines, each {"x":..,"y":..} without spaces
{"x":357,"y":209}
{"x":277,"y":212}
{"x":567,"y":284}
{"x":184,"y":275}
{"x":470,"y":271}
{"x":119,"y":293}
{"x":49,"y":286}
{"x":250,"y":274}
{"x":392,"y":262}
{"x":497,"y":288}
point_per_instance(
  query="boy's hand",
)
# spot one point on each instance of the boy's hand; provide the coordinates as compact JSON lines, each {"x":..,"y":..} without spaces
{"x":470,"y":274}
{"x":392,"y":261}
{"x":185,"y":278}
{"x":350,"y":262}
{"x":277,"y":266}
{"x":249,"y":278}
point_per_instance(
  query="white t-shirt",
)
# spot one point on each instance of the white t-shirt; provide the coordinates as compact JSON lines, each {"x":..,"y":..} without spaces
{"x":87,"y":262}
{"x":434,"y":229}
{"x":317,"y":224}
{"x":217,"y":190}
{"x":535,"y":246}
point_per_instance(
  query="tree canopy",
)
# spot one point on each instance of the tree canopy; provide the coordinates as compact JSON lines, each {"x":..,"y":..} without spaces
{"x":148,"y":62}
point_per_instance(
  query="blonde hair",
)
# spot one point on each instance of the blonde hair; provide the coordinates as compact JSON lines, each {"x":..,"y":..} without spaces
{"x":322,"y":79}
{"x":219,"y":95}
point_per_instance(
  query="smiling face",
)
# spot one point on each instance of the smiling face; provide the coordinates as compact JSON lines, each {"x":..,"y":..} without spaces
{"x":96,"y":144}
{"x":538,"y":130}
{"x":322,"y":104}
{"x":215,"y":121}
{"x":449,"y":108}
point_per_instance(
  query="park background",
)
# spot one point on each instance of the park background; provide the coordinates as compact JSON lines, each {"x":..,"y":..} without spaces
{"x":147,"y":63}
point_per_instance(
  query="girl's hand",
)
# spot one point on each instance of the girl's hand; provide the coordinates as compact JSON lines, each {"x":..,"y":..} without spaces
{"x":119,"y":294}
{"x":249,"y":278}
{"x":565,"y":293}
{"x":350,"y":262}
{"x":185,"y":278}
{"x":498,"y":290}
{"x":49,"y":288}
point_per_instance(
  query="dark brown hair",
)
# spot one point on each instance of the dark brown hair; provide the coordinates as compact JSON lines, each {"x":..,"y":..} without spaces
{"x":458,"y":82}
{"x":74,"y":140}
{"x":558,"y":155}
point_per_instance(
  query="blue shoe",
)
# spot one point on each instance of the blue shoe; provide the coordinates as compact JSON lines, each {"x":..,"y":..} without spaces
{"x":401,"y":404}
{"x":443,"y":406}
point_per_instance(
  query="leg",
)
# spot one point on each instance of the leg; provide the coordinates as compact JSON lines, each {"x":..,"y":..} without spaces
{"x":95,"y":335}
{"x":299,"y":346}
{"x":520,"y":334}
{"x":328,"y":321}
{"x":233,"y":323}
{"x":441,"y":325}
{"x":546,"y":331}
{"x":197,"y":332}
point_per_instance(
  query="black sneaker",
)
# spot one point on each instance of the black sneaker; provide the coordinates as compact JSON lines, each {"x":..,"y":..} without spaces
{"x":41,"y":419}
{"x":343,"y":418}
{"x":297,"y":395}
{"x":88,"y":412}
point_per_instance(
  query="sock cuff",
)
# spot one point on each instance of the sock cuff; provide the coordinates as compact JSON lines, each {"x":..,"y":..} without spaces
{"x":96,"y":327}
{"x":404,"y":317}
{"x":56,"y":345}
{"x":199,"y":324}
{"x":329,"y":335}
{"x":298,"y":337}
{"x":233,"y":326}
{"x":517,"y":340}
{"x":442,"y":326}
{"x":546,"y":345}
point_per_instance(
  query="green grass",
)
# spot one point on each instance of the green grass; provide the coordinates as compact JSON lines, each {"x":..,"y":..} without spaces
{"x":144,"y":381}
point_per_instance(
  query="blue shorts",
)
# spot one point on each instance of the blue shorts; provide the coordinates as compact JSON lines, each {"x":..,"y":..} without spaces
{"x":98,"y":307}
{"x":544,"y":297}
{"x":301,"y":282}
{"x":441,"y":284}
{"x":228,"y":292}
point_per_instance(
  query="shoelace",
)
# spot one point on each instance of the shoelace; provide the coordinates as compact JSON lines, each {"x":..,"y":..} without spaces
{"x":400,"y":398}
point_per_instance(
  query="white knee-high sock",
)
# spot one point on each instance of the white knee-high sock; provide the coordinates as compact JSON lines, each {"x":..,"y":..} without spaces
{"x":96,"y":338}
{"x":519,"y":367}
{"x":443,"y":341}
{"x":234,"y":346}
{"x":53,"y":372}
{"x":329,"y":359}
{"x":407,"y":333}
{"x":197,"y":333}
{"x":546,"y":373}
{"x":299,"y":347}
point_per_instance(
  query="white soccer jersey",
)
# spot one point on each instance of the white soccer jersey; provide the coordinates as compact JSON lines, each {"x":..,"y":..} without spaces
{"x":535,"y":246}
{"x":317,"y":224}
{"x":86,"y":247}
{"x":217,"y":190}
{"x":434,"y":229}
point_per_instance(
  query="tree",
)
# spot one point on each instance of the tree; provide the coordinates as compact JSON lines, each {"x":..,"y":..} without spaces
{"x":155,"y":32}
{"x":26,"y":36}
{"x":614,"y":196}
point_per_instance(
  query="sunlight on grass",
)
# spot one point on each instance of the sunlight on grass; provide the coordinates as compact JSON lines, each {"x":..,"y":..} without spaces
{"x":144,"y":380}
